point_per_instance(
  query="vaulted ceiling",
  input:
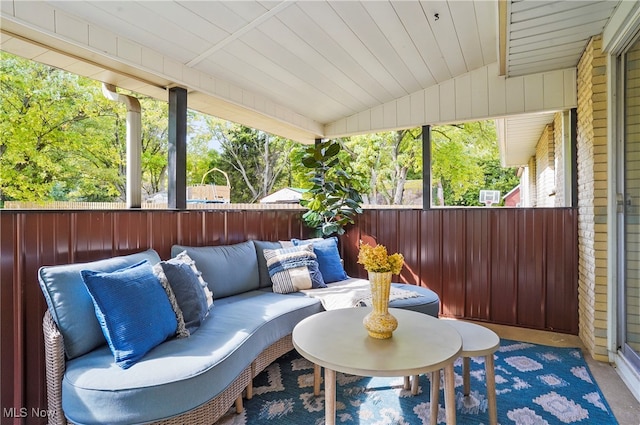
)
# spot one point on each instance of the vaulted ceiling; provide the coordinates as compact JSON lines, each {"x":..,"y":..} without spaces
{"x":312,"y":69}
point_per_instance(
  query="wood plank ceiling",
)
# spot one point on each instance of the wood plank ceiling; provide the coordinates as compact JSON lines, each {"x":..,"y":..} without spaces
{"x":296,"y":67}
{"x":548,"y":35}
{"x":324,"y":60}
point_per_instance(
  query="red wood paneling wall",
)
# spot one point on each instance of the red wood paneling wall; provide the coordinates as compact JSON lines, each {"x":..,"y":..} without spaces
{"x":509,"y":266}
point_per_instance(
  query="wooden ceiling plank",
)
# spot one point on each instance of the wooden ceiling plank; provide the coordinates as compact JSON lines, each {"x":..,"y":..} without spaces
{"x":366,"y":28}
{"x":549,"y":59}
{"x":585,"y":12}
{"x":159,"y":31}
{"x":465,"y":23}
{"x":394,"y":30}
{"x":302,"y":37}
{"x":445,"y":35}
{"x":340,"y":30}
{"x":569,"y":25}
{"x":264,"y":77}
{"x":520,"y":11}
{"x":215,"y":11}
{"x":291,"y":58}
{"x":419,"y":29}
{"x":325,"y":31}
{"x":486,"y":16}
{"x":559,"y":51}
{"x":558,"y":38}
{"x":536,"y":67}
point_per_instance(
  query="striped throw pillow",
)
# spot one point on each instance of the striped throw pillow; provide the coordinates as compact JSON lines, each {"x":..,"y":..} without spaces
{"x":293,"y":269}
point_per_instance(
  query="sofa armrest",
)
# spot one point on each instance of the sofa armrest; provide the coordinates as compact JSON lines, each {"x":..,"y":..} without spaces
{"x":55,"y":367}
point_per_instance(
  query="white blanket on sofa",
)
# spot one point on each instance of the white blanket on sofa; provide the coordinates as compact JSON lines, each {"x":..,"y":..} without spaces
{"x":352,"y":293}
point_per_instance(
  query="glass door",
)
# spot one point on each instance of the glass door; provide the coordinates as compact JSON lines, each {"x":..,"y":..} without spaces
{"x":629,"y":208}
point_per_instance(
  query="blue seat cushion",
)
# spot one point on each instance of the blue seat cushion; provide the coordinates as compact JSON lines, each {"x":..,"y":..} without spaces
{"x":428,"y":302}
{"x":70,"y":304}
{"x":181,"y":374}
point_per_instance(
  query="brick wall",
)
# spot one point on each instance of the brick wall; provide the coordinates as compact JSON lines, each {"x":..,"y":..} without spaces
{"x":592,"y":199}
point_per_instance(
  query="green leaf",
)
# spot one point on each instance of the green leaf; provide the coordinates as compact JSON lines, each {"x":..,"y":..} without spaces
{"x":332,"y":150}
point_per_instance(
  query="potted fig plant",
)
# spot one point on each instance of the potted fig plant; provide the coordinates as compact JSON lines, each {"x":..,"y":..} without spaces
{"x":332,"y":201}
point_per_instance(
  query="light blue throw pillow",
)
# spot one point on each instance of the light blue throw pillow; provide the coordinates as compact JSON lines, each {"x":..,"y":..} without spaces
{"x":133,"y":310}
{"x":329,"y":260}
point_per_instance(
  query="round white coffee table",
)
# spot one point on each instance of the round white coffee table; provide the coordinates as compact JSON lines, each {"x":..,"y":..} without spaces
{"x":337,"y":341}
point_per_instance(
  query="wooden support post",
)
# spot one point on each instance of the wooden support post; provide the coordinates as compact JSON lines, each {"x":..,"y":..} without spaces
{"x":177,"y":169}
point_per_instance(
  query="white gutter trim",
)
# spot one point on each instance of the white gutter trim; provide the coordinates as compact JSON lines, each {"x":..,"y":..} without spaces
{"x":134,"y":144}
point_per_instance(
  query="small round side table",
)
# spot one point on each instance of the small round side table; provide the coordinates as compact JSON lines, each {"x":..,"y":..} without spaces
{"x":477,"y":341}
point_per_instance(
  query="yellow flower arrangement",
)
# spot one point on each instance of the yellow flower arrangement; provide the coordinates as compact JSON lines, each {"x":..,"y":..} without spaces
{"x":376,"y":259}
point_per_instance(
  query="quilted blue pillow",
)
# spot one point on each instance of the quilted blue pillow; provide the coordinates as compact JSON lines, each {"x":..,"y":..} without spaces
{"x":133,"y":310}
{"x":293,"y":269}
{"x":329,"y":260}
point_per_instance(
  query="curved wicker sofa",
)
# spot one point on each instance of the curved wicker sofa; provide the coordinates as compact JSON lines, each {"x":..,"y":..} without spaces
{"x":193,"y":380}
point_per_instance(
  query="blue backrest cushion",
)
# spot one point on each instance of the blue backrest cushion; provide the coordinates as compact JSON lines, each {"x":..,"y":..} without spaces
{"x":70,"y":304}
{"x":133,"y":310}
{"x":293,"y":269}
{"x":228,"y":269}
{"x":188,"y":291}
{"x":263,"y":271}
{"x":328,"y":255}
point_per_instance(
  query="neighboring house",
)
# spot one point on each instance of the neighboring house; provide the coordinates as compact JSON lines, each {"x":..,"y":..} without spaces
{"x":288,"y":195}
{"x":512,"y":199}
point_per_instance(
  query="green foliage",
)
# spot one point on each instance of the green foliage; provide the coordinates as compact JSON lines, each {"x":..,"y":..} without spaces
{"x":465,"y":160}
{"x":332,"y":200}
{"x":495,"y":178}
{"x":386,"y":160}
{"x":63,"y":140}
{"x":49,"y":122}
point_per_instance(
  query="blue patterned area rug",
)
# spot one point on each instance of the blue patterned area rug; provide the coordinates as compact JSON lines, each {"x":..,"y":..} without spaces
{"x":535,"y":385}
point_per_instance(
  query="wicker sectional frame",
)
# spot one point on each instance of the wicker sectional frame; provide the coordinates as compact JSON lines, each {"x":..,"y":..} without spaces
{"x":205,"y":414}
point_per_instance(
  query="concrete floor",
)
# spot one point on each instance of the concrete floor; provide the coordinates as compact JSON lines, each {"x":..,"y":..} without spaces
{"x":625,"y":406}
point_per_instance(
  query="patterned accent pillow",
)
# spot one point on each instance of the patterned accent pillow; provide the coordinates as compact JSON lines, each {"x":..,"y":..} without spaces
{"x":184,"y":257}
{"x":293,"y":269}
{"x":189,"y":293}
{"x":182,"y":331}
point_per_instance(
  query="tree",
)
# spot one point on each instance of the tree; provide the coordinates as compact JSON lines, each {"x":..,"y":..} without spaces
{"x":63,"y":140}
{"x":495,"y":178}
{"x":460,"y":153}
{"x":50,"y":125}
{"x":254,"y":160}
{"x":155,"y":144}
{"x":387,"y":159}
